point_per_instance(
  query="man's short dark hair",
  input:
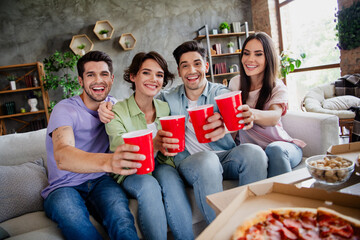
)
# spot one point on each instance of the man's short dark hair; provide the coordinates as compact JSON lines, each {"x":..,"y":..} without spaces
{"x":190,"y":46}
{"x":93,"y":56}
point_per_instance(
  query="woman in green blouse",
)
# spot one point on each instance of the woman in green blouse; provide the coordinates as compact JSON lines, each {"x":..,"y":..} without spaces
{"x":161,"y":196}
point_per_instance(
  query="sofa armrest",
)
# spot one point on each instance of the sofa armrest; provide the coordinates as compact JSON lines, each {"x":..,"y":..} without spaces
{"x":319,"y":131}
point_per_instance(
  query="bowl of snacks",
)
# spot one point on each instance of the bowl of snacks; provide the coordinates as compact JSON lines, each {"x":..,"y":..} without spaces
{"x":330,"y":169}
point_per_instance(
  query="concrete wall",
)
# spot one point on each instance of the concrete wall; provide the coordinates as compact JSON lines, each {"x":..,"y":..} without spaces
{"x":33,"y":30}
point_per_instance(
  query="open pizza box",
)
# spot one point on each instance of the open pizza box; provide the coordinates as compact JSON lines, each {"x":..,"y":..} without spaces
{"x":349,"y":151}
{"x":258,"y":197}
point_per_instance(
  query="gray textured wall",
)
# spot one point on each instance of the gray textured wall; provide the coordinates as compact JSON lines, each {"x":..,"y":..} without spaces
{"x":33,"y":30}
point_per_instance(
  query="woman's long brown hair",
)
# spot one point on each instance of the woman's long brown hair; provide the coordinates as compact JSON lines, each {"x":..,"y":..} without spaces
{"x":270,"y":74}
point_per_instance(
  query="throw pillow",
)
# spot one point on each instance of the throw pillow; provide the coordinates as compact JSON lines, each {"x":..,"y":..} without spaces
{"x":20,"y":188}
{"x":341,"y":102}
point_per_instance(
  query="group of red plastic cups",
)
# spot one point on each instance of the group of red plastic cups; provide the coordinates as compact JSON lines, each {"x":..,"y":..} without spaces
{"x":227,"y":103}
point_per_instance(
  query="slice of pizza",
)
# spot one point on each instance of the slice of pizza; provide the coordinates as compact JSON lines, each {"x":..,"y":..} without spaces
{"x":281,"y":223}
{"x":334,"y":225}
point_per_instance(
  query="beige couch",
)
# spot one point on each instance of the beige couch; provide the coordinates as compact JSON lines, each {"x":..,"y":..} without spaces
{"x":21,"y":180}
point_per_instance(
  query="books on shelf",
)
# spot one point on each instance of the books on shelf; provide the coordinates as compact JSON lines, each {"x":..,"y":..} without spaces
{"x":217,"y":48}
{"x":219,"y":68}
{"x":31,"y":81}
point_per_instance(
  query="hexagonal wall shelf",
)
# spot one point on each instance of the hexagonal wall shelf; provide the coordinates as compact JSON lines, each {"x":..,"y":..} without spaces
{"x":79,"y":41}
{"x":127,"y":41}
{"x":103,"y":25}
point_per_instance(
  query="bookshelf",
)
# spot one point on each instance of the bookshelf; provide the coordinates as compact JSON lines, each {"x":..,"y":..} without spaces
{"x":13,"y":120}
{"x":203,"y":34}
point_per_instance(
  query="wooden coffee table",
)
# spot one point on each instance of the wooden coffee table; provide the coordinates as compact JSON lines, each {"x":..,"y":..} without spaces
{"x":301,"y":178}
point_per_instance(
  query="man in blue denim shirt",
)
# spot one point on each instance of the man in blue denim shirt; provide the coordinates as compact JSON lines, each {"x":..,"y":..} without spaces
{"x":203,"y":166}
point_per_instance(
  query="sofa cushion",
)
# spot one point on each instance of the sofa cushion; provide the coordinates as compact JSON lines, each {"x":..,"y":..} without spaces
{"x":20,"y":188}
{"x":341,"y":102}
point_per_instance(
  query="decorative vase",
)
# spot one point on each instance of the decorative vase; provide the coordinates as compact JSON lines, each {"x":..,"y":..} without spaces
{"x":13,"y":85}
{"x":214,"y":31}
{"x":104,"y":35}
{"x":231,"y":50}
{"x":82,"y":52}
{"x":225,"y":30}
{"x":32,"y":103}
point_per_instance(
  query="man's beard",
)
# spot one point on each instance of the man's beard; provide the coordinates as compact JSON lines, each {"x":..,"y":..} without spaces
{"x":93,"y":98}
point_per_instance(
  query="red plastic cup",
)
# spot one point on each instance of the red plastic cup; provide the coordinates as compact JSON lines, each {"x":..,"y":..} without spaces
{"x":176,"y":125}
{"x":143,"y":139}
{"x":228,"y":104}
{"x":199,"y":116}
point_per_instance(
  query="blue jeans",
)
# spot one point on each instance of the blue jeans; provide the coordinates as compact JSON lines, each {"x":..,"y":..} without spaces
{"x":103,"y":198}
{"x":204,"y":171}
{"x":283,"y":156}
{"x":176,"y":203}
{"x":151,"y":213}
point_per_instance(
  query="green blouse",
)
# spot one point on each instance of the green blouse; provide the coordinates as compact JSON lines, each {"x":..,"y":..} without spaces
{"x":129,"y":117}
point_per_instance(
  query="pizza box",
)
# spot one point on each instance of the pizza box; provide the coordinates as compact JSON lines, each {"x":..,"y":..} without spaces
{"x":259,"y":197}
{"x":349,"y":151}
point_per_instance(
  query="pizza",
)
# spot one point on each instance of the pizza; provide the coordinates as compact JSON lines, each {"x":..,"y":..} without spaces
{"x":298,"y":223}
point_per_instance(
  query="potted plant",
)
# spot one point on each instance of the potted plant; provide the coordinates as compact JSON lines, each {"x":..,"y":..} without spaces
{"x":288,"y":62}
{"x":224,"y":27}
{"x":82,"y":49}
{"x":104,"y":33}
{"x":11,"y":79}
{"x":230,"y":45}
{"x":127,"y":43}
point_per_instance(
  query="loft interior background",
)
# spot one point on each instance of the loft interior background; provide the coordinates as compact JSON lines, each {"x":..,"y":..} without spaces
{"x":33,"y":30}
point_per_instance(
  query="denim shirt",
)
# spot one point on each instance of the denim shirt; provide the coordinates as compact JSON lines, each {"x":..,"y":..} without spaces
{"x":178,"y":103}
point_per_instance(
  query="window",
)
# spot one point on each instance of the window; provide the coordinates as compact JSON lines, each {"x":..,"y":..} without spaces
{"x":308,"y":26}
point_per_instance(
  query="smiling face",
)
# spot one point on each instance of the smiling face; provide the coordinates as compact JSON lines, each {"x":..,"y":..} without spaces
{"x":96,"y":81}
{"x":192,"y":70}
{"x":149,"y":79}
{"x":253,"y":59}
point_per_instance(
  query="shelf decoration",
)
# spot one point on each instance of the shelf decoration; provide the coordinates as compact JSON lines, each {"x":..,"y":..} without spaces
{"x":236,"y":26}
{"x":127,"y":41}
{"x":103,"y":30}
{"x":81,"y":44}
{"x":224,"y":27}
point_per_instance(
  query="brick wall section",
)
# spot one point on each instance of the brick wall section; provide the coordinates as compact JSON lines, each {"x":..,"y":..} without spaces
{"x":264,"y":18}
{"x":349,"y":59}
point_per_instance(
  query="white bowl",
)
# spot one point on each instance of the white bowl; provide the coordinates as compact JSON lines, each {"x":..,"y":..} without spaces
{"x":331,"y":172}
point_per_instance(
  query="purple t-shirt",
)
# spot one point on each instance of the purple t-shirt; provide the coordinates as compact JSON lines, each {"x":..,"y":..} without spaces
{"x":90,"y":136}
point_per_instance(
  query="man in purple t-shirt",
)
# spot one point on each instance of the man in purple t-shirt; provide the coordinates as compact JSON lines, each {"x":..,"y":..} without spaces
{"x":78,"y":160}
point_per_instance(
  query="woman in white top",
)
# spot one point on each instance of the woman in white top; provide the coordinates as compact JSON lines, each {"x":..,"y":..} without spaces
{"x":267,"y":98}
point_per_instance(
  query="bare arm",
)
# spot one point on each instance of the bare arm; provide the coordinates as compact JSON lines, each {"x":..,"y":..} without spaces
{"x":70,"y":158}
{"x":268,"y":117}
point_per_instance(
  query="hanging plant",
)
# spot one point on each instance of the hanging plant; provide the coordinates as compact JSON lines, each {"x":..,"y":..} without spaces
{"x":348,"y":27}
{"x":60,"y":72}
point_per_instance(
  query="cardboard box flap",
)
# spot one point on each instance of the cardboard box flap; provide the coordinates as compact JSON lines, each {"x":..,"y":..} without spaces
{"x":338,"y":198}
{"x":261,"y":189}
{"x":349,"y":151}
{"x":344,"y":148}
